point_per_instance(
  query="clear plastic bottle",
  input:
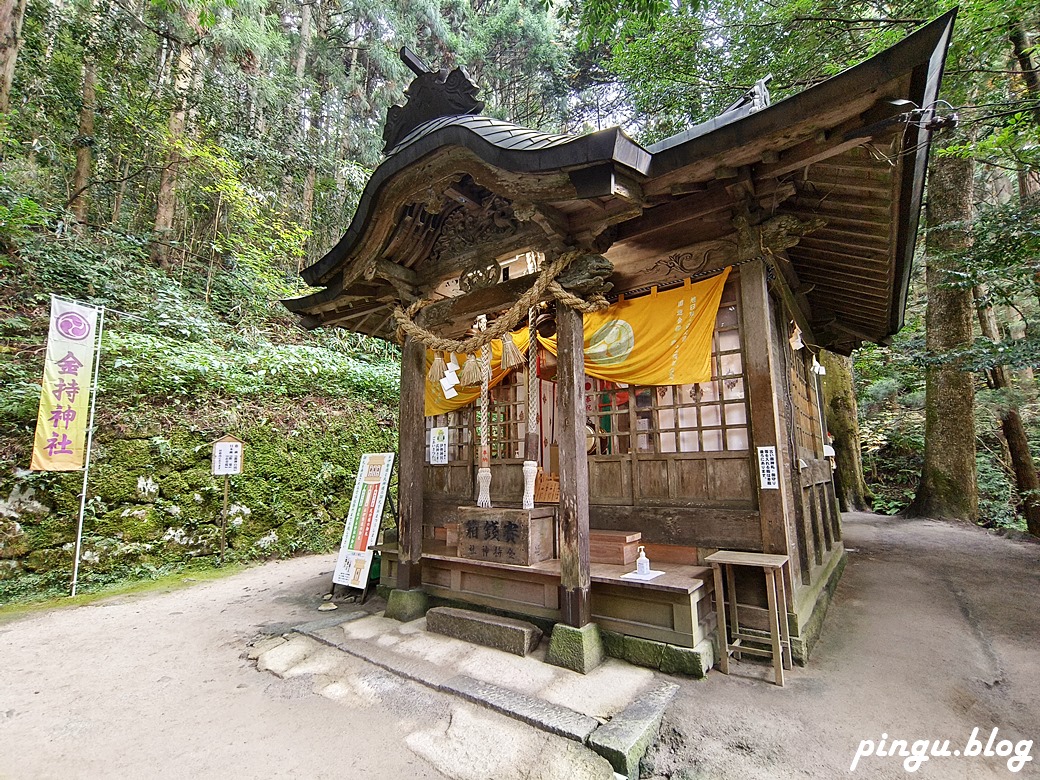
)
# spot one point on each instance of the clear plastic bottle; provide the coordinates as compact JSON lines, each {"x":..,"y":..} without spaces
{"x":642,"y":562}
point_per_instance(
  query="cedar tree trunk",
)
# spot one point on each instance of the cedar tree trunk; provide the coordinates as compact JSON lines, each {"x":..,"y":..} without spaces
{"x":948,"y":482}
{"x":843,"y":425}
{"x":84,"y":142}
{"x":1011,"y":422}
{"x":167,"y":197}
{"x":12,"y":14}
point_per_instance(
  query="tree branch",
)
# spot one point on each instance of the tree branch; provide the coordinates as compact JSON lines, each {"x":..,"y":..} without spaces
{"x":119,"y":180}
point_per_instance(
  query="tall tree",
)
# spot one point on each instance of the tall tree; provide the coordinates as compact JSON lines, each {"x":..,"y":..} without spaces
{"x":12,"y":16}
{"x":84,"y":141}
{"x":166,"y":198}
{"x":948,"y":482}
{"x":1011,"y":423}
{"x":843,"y":424}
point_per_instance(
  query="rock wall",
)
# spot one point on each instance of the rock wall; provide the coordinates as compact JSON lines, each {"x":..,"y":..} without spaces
{"x":152,"y":503}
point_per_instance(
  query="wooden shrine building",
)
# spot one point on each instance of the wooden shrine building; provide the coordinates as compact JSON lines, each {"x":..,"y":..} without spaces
{"x":677,"y":294}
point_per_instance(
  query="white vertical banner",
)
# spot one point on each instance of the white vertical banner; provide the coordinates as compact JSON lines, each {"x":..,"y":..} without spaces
{"x":366,"y":513}
{"x":768,"y":471}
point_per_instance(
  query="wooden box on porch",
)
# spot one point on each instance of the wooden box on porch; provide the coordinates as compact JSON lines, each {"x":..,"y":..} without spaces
{"x":518,"y":536}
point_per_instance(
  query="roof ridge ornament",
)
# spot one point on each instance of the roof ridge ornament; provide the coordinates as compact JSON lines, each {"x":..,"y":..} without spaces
{"x":431,"y":94}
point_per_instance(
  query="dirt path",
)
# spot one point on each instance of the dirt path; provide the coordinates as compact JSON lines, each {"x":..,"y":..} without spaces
{"x":933,"y":632}
{"x":157,"y":686}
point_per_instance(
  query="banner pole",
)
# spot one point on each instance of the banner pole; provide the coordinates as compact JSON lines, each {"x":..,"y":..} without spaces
{"x":90,"y":441}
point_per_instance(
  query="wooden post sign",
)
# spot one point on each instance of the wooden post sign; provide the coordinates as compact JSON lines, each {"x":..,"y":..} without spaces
{"x":362,"y":527}
{"x":227,"y":456}
{"x":227,"y":459}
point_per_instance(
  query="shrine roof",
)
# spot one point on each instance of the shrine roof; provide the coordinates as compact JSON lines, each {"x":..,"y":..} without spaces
{"x":849,"y":152}
{"x":504,"y":135}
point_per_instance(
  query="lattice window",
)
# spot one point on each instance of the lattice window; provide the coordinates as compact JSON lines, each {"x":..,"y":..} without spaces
{"x":508,"y":420}
{"x":706,"y":417}
{"x":460,"y":433}
{"x":611,"y":418}
{"x":803,"y":398}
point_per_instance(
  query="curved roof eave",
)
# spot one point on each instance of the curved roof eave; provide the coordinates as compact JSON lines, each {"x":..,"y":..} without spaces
{"x":921,"y":55}
{"x":476,"y":134}
{"x":704,"y":140}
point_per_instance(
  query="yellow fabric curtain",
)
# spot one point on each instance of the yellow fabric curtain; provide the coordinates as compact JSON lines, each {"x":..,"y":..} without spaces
{"x":663,"y":338}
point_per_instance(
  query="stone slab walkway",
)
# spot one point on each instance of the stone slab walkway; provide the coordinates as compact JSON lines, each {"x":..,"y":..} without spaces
{"x":615,"y":709}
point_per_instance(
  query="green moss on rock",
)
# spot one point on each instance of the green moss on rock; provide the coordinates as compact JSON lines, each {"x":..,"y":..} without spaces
{"x":50,"y":531}
{"x":292,"y":497}
{"x":135,"y":523}
{"x":643,"y":652}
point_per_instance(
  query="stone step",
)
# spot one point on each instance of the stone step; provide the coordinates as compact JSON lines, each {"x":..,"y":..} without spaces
{"x":514,"y":636}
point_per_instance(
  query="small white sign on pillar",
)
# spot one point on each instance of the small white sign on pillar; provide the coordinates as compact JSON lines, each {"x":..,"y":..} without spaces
{"x":768,"y":473}
{"x":439,"y":446}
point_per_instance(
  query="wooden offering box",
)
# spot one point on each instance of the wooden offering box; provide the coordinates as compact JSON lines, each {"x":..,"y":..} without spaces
{"x":517,"y":536}
{"x":616,"y":547}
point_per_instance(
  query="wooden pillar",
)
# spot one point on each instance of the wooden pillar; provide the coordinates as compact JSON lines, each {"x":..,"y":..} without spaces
{"x":411,"y":450}
{"x":574,"y":469}
{"x":764,"y":397}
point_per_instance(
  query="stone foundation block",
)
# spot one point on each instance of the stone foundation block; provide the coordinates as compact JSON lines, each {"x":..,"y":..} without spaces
{"x":643,"y":652}
{"x":694,"y":662}
{"x":625,"y":739}
{"x":513,"y":636}
{"x":577,"y":649}
{"x":406,"y":605}
{"x":613,"y":643}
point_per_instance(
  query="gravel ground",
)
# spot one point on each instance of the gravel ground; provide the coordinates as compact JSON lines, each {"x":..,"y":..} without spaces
{"x":933,"y":632}
{"x":158,"y":685}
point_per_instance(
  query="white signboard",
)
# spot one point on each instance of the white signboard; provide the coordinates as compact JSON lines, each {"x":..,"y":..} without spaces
{"x":366,"y":513}
{"x":768,"y":474}
{"x":439,"y":446}
{"x":227,"y":456}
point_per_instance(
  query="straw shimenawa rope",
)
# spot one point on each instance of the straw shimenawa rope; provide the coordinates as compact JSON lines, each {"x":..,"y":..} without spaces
{"x":546,"y":282}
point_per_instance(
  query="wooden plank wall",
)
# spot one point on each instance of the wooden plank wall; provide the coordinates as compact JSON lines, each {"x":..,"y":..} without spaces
{"x":702,"y":479}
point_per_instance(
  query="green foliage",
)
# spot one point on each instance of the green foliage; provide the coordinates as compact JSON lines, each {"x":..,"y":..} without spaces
{"x":513,"y":50}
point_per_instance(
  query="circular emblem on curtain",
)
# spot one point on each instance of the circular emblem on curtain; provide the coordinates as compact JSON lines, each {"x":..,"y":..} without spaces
{"x":611,"y":344}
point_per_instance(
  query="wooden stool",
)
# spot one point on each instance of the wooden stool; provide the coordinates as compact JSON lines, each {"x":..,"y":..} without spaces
{"x":776,"y":595}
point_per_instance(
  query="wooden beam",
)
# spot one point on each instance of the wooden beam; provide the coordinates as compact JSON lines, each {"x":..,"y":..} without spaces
{"x":831,"y":284}
{"x":879,"y":216}
{"x":394,"y":272}
{"x":684,"y":209}
{"x":583,"y":276}
{"x":529,"y":236}
{"x":763,"y":377}
{"x":814,"y":270}
{"x":485,"y":301}
{"x":341,"y":319}
{"x":411,"y":450}
{"x":805,"y":154}
{"x":843,"y":214}
{"x":574,"y":470}
{"x":837,"y":326}
{"x":785,"y":279}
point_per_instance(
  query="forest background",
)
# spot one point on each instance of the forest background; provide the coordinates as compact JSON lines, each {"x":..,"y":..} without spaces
{"x":179,"y":162}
